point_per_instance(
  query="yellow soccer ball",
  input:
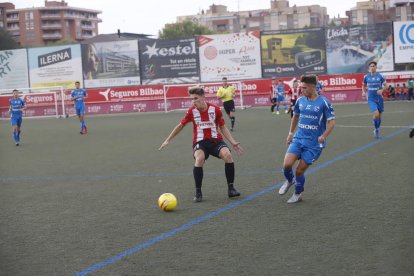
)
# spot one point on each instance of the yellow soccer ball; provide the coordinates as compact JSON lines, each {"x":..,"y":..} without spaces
{"x":167,"y":202}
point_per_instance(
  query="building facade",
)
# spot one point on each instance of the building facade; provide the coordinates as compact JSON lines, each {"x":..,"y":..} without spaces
{"x":280,"y":16}
{"x":56,"y":21}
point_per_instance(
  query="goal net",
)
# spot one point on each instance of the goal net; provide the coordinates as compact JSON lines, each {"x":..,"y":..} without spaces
{"x":40,"y":102}
{"x":176,"y":95}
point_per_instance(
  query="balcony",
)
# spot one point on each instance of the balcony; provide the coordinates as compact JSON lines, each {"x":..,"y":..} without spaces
{"x":12,"y":18}
{"x":50,"y":15}
{"x":51,"y":26}
{"x":52,"y":36}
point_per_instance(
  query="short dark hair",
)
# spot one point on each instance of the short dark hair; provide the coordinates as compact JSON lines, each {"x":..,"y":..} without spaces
{"x":77,"y":82}
{"x":308,"y":79}
{"x":372,"y":62}
{"x":224,"y":78}
{"x":15,"y":90}
{"x":196,"y":90}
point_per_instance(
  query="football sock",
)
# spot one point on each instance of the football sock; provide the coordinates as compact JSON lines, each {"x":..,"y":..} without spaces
{"x":229,"y":171}
{"x":288,"y":174}
{"x":375,"y":121}
{"x":379,"y":122}
{"x":300,"y":183}
{"x":15,"y":136}
{"x":277,"y":107}
{"x":272,"y":108}
{"x":198,"y":177}
{"x":233,"y":120}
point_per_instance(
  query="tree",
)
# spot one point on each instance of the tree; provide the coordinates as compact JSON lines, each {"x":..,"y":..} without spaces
{"x":7,"y":41}
{"x":183,"y":29}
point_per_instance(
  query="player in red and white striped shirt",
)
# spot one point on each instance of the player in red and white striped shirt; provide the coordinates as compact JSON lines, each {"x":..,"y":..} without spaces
{"x":294,"y":93}
{"x":209,"y":126}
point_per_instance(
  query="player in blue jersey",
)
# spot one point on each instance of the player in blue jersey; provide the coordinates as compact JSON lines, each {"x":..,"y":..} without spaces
{"x":314,"y":118}
{"x":319,"y":86}
{"x":77,"y":96}
{"x":17,"y":105}
{"x":281,"y":97}
{"x":374,"y":82}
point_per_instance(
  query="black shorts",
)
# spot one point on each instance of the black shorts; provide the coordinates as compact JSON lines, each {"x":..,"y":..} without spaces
{"x":273,"y":100}
{"x":229,"y":106}
{"x":212,"y":147}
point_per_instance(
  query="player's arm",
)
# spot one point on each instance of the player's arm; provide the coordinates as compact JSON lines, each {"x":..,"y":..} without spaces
{"x":384,"y":86}
{"x":329,"y":127}
{"x":173,"y":133}
{"x":293,"y":125}
{"x":72,"y":97}
{"x":236,"y":145}
{"x":220,"y":94}
{"x":85,"y":95}
{"x":364,"y":88}
{"x":23,"y":106}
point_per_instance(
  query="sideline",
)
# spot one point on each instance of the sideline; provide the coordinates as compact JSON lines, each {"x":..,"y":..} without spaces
{"x":230,"y":206}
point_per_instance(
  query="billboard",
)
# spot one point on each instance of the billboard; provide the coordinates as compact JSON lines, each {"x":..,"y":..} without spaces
{"x":235,"y":56}
{"x":13,"y":69}
{"x":114,"y":63}
{"x":350,"y":49}
{"x":404,"y":41}
{"x":55,"y":66}
{"x":169,"y":61}
{"x":293,"y":52}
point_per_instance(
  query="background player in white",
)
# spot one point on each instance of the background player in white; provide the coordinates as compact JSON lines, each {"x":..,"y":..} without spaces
{"x":207,"y":120}
{"x":375,"y":83}
{"x":77,"y":96}
{"x":315,"y":119}
{"x":17,"y":105}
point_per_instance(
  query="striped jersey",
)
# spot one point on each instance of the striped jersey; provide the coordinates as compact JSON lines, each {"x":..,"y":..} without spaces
{"x":205,"y":123}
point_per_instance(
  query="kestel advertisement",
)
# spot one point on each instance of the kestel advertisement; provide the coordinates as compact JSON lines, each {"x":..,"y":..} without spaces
{"x":350,"y":49}
{"x":235,"y":56}
{"x":293,"y":52}
{"x":169,"y":61}
{"x":13,"y":69}
{"x":114,"y":63}
{"x":55,"y":66}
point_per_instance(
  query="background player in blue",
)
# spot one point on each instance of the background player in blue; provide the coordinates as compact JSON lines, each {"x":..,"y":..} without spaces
{"x":319,"y":86}
{"x":77,"y":96}
{"x":281,"y":96}
{"x":17,"y":105}
{"x":374,"y":82}
{"x":315,"y":119}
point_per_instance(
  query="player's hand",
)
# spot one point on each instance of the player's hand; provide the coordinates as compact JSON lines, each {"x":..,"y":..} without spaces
{"x":379,"y":91}
{"x":289,"y":138}
{"x":163,"y":145}
{"x":364,"y":94}
{"x":321,"y":139}
{"x":237,"y":148}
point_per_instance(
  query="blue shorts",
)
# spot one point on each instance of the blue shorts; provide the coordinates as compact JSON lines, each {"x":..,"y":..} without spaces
{"x":280,"y":98}
{"x":376,"y":105}
{"x":308,"y":154}
{"x":80,"y":110}
{"x":16,"y":121}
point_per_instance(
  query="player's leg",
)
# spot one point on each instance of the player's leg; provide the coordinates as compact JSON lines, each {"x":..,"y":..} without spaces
{"x":13,"y":122}
{"x":291,"y":156}
{"x":373,"y":107}
{"x":200,"y":157}
{"x":18,"y":128}
{"x":82,"y":119}
{"x":225,"y":154}
{"x":285,"y":106}
{"x":308,"y":157}
{"x":272,"y":108}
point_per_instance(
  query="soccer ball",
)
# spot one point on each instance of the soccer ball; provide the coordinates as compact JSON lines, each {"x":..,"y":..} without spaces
{"x":167,"y":202}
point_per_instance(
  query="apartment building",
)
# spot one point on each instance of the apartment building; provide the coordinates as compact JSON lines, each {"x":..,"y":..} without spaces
{"x":378,"y":11}
{"x":279,"y":16}
{"x":55,"y":21}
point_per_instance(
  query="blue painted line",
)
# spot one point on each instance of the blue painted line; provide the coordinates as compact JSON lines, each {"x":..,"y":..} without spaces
{"x":230,"y":206}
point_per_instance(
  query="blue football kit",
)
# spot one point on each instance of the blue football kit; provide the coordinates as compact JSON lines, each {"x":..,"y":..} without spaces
{"x":374,"y":83}
{"x":313,"y":116}
{"x":16,"y":116}
{"x":79,"y":94}
{"x":280,"y":96}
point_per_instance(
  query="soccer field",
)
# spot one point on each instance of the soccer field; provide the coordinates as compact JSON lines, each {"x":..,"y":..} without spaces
{"x":74,"y":204}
